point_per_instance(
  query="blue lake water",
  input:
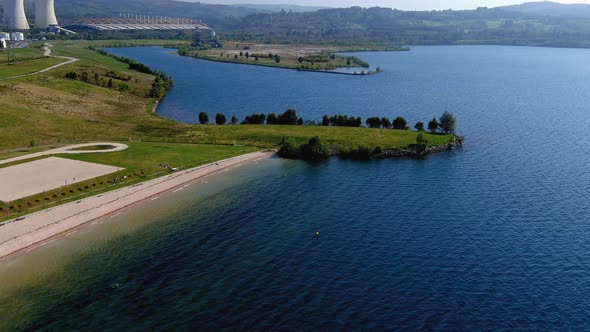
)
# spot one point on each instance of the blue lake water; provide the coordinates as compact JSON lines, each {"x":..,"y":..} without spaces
{"x":492,"y":236}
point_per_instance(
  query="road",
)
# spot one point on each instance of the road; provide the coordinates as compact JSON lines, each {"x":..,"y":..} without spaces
{"x":47,"y":53}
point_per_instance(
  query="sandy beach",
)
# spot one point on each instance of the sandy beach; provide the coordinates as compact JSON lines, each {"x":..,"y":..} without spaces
{"x":34,"y":229}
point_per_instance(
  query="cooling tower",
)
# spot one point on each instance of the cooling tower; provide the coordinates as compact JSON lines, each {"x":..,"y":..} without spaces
{"x":14,"y":15}
{"x":44,"y":14}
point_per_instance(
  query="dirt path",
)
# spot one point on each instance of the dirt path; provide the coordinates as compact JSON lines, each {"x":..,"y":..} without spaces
{"x":46,"y":53}
{"x":68,"y":150}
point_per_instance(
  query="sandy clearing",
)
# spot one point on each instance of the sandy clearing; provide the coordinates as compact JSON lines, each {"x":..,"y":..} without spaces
{"x":36,"y":228}
{"x":34,"y":177}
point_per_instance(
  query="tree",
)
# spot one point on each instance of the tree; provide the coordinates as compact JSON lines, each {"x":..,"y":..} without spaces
{"x":385,"y":123}
{"x":373,"y":122}
{"x":277,"y":58}
{"x":110,"y":83}
{"x":203,"y":118}
{"x":288,"y":118}
{"x":400,"y":123}
{"x":254,"y":119}
{"x":419,"y":126}
{"x":433,"y":125}
{"x":234,"y":119}
{"x":300,"y":122}
{"x":271,"y":119}
{"x":270,"y":55}
{"x":447,"y":123}
{"x":220,"y":119}
{"x":325,"y":120}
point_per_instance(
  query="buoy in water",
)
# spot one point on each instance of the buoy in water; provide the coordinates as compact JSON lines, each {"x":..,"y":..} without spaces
{"x":317,"y":234}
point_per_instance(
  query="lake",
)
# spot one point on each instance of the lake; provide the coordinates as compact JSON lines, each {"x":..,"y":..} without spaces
{"x":491,"y":236}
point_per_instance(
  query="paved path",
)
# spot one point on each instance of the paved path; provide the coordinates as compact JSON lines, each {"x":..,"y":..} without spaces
{"x":46,"y":53}
{"x":67,"y":150}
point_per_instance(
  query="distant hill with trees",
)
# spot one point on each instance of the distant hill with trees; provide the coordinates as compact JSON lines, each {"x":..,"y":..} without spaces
{"x":534,"y":24}
{"x":548,"y":8}
{"x":356,"y":25}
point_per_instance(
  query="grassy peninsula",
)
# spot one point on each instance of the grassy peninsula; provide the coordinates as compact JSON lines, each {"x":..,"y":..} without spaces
{"x":291,"y":56}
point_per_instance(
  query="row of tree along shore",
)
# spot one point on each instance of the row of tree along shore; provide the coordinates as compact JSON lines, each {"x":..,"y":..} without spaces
{"x":446,"y":124}
{"x":315,"y":150}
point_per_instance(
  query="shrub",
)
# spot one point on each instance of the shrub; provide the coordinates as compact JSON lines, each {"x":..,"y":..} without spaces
{"x":314,"y":150}
{"x":289,"y":149}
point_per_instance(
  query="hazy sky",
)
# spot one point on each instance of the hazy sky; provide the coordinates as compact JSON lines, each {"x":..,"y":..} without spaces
{"x":400,"y":4}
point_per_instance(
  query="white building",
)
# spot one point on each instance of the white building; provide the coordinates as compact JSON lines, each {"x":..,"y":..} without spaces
{"x":17,"y":36}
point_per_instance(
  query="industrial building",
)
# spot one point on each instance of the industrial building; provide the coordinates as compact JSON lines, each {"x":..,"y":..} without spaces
{"x":137,"y":22}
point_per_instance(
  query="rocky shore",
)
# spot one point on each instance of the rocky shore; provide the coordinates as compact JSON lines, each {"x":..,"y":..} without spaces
{"x":414,"y":152}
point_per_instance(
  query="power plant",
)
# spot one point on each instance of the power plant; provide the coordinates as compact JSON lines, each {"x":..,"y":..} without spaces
{"x":14,"y":15}
{"x":15,"y":18}
{"x":44,"y":14}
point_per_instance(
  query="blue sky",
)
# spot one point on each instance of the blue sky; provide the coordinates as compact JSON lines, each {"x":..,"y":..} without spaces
{"x":400,"y":4}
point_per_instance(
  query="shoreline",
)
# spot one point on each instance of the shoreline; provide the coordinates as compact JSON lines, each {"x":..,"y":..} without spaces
{"x":36,"y":229}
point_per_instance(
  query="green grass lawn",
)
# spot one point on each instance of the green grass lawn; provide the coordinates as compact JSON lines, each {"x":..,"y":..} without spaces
{"x":141,"y":162}
{"x":147,"y":156}
{"x":337,"y":137}
{"x":93,"y":148}
{"x":27,"y":66}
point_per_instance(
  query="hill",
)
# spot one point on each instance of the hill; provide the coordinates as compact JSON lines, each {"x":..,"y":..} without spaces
{"x":548,"y":8}
{"x":356,"y":25}
{"x":285,"y":7}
